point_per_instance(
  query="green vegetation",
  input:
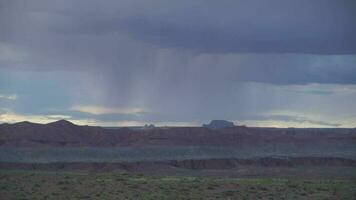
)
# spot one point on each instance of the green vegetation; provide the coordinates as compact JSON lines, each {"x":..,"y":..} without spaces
{"x":16,"y":184}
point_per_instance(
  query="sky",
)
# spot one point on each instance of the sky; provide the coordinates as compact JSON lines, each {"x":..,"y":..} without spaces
{"x":276,"y":63}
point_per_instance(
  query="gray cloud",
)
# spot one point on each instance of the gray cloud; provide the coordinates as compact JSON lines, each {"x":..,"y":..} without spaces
{"x":318,"y":27}
{"x":182,"y":60}
{"x":277,"y":26}
{"x":128,"y":39}
{"x":296,"y":119}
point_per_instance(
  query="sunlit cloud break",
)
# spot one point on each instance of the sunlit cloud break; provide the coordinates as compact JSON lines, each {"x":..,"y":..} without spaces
{"x":11,"y":117}
{"x":12,"y":97}
{"x":101,"y":110}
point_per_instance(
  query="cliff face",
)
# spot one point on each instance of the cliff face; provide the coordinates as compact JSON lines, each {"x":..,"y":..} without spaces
{"x":202,"y":164}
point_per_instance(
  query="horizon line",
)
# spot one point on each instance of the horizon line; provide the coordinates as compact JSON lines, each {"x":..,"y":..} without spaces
{"x":170,"y":126}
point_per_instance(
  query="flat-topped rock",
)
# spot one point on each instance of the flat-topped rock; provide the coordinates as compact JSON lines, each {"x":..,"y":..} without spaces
{"x":219,"y":124}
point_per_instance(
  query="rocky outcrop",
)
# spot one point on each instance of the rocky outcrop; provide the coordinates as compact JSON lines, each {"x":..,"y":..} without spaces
{"x":219,"y":124}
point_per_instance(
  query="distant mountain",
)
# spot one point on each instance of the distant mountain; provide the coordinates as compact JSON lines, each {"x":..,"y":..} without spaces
{"x":61,"y":123}
{"x":219,"y":124}
{"x":218,"y":133}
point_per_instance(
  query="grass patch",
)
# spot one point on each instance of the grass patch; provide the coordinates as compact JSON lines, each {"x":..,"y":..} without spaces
{"x":15,"y":184}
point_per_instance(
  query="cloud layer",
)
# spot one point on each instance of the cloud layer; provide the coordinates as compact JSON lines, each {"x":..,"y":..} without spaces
{"x":179,"y":62}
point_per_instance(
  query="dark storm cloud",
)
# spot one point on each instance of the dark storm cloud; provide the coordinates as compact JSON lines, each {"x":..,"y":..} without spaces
{"x":277,"y":26}
{"x":124,"y":39}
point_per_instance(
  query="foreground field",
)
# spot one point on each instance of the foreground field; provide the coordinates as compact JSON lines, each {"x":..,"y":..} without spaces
{"x":15,"y":184}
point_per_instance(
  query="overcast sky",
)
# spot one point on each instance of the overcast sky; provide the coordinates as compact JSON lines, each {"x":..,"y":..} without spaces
{"x":281,"y":63}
